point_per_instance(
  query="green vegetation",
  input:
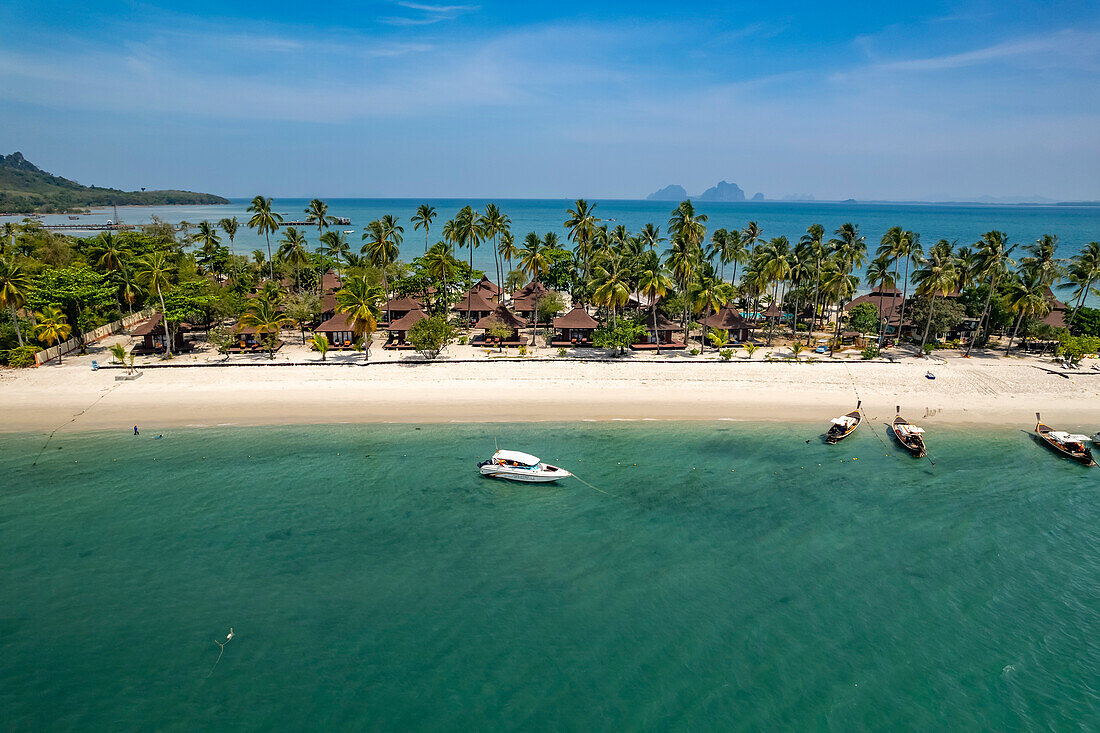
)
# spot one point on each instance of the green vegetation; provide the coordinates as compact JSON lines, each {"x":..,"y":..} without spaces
{"x":431,"y":335}
{"x":24,"y":188}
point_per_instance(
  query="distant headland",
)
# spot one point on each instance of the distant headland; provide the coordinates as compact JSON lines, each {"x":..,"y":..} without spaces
{"x":26,"y":188}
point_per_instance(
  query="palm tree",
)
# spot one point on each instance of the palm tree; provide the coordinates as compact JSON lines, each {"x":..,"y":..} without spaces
{"x":424,"y":217}
{"x":729,"y":249}
{"x":266,"y":222}
{"x":15,"y":283}
{"x":267,"y":318}
{"x":706,"y":297}
{"x":468,"y":232}
{"x":52,"y":327}
{"x":154,"y":273}
{"x":990,"y":262}
{"x":938,"y":275}
{"x":1042,"y":261}
{"x":533,"y":261}
{"x":495,"y":224}
{"x":230,"y":225}
{"x":320,"y":342}
{"x":359,"y":300}
{"x":207,"y":237}
{"x":508,"y":249}
{"x":687,"y":225}
{"x":338,"y":249}
{"x":1084,"y":272}
{"x":682,"y":260}
{"x":750,"y":349}
{"x":651,"y":236}
{"x":881,"y":273}
{"x":382,"y":237}
{"x":582,"y":224}
{"x":317,"y":213}
{"x":440,"y":264}
{"x":654,"y":284}
{"x":797,"y":348}
{"x":612,"y":286}
{"x":293,"y":251}
{"x":1027,"y":298}
{"x":814,"y":241}
{"x":775,"y":266}
{"x":750,"y":235}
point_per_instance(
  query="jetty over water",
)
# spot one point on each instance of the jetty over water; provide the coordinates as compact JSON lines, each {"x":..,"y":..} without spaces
{"x":340,"y":221}
{"x":89,"y":227}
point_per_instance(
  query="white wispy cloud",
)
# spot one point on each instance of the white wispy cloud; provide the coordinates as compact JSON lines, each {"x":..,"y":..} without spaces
{"x":430,"y":14}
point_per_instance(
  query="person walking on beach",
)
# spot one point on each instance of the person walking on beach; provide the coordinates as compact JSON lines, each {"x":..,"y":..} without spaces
{"x":135,"y":430}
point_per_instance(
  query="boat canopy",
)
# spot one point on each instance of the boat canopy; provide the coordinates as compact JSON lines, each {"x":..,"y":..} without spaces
{"x":514,"y":455}
{"x":910,"y":429}
{"x":1064,"y":437}
{"x":843,"y":421}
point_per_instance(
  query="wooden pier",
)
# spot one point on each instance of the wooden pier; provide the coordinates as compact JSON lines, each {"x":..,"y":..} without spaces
{"x":89,"y":227}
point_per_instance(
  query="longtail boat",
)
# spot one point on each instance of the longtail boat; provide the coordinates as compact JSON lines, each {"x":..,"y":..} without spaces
{"x":843,"y":426}
{"x":1068,"y":445}
{"x":909,"y":435}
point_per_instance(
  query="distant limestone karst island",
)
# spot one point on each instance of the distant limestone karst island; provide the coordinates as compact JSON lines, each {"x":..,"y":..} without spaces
{"x":26,"y":188}
{"x":722,"y":191}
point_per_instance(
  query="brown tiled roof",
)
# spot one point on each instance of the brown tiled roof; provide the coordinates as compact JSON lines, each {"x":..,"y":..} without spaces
{"x":663,"y":324}
{"x":771,"y":311}
{"x":328,"y":302}
{"x":405,"y":322}
{"x":472,"y":302}
{"x":889,"y":307}
{"x":331,"y":281}
{"x":576,"y":318}
{"x":339,"y":322}
{"x":503,"y":315}
{"x":727,"y":319}
{"x":402,"y":304}
{"x":530,"y":289}
{"x":487,"y":285}
{"x":147,"y":327}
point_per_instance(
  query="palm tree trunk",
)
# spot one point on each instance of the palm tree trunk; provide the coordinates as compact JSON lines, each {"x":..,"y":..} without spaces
{"x":653,"y":312}
{"x":164,"y":314}
{"x":1080,"y":302}
{"x":1015,"y":328}
{"x":270,"y":260}
{"x":813,"y":315}
{"x":985,"y":311}
{"x":15,"y":321}
{"x":839,"y":315}
{"x":928,"y":321}
{"x":904,"y":298}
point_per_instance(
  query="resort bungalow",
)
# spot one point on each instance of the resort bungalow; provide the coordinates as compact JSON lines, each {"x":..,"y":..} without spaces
{"x":887,"y":300}
{"x":399,"y":329}
{"x":487,"y":289}
{"x":1057,"y":316}
{"x":338,"y":331}
{"x":772,"y":313}
{"x":151,"y":333}
{"x":328,"y":305}
{"x":501,"y":314}
{"x":729,"y":319}
{"x":575,"y":328}
{"x":474,"y":305}
{"x":526,"y":298}
{"x":250,"y":339}
{"x":660,"y":337}
{"x":397,"y":308}
{"x":331,"y":282}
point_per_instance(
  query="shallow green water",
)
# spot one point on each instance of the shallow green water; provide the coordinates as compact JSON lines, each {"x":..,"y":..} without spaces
{"x":738,"y":578}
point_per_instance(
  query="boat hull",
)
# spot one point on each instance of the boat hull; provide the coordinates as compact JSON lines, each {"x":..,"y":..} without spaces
{"x":526,"y":476}
{"x":914,"y":445}
{"x":1084,"y":458}
{"x":835,"y":435}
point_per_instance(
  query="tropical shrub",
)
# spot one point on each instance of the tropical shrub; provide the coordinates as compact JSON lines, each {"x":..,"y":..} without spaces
{"x":871,"y":351}
{"x":21,"y":356}
{"x":864,"y":318}
{"x":431,"y":335}
{"x":694,"y":352}
{"x":725,"y":354}
{"x":561,"y":352}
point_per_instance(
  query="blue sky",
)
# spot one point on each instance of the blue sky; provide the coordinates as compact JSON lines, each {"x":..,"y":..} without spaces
{"x":878,"y":100}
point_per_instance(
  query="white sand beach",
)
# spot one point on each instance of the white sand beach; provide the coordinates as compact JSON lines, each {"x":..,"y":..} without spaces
{"x":398,"y":388}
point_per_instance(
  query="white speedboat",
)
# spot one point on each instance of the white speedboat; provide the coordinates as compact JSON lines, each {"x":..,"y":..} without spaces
{"x":516,"y":466}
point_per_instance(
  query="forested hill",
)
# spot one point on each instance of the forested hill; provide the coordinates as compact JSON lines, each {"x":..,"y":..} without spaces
{"x":25,"y":188}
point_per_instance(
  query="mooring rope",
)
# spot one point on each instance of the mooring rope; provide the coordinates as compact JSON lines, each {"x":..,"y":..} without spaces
{"x":228,"y":638}
{"x":50,"y":436}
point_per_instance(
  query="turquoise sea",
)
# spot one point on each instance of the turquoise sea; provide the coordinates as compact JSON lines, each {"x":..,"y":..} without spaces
{"x":720,"y":576}
{"x":1074,"y":225}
